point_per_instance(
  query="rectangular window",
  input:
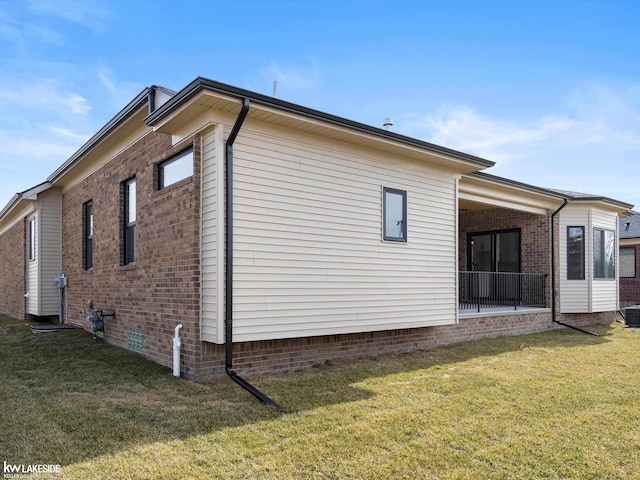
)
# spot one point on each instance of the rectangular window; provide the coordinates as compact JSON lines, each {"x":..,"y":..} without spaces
{"x":32,"y":239}
{"x":604,"y":254}
{"x":87,"y":234}
{"x":628,"y":262}
{"x":394,"y":208}
{"x":575,"y":253}
{"x":129,"y":226}
{"x":176,"y":168}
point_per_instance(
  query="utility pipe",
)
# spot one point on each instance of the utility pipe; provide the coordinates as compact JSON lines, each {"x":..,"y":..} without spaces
{"x":553,"y":274}
{"x":176,"y":351}
{"x":228,"y":319}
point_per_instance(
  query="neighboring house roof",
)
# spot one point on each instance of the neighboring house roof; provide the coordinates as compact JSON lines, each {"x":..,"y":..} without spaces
{"x":630,"y":226}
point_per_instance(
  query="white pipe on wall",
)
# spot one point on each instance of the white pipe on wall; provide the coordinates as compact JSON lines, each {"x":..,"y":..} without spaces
{"x":176,"y":351}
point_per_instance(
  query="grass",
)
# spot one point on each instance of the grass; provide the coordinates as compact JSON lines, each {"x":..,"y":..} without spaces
{"x":557,"y":405}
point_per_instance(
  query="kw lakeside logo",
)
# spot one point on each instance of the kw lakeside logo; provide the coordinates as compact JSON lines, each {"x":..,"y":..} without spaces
{"x":30,"y":471}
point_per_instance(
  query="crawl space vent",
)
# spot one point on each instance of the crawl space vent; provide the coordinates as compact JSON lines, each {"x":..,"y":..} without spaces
{"x":632,"y":316}
{"x":134,"y":340}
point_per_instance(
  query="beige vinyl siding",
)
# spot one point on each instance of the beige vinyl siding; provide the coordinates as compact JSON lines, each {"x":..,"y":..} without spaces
{"x":605,"y":292}
{"x":588,"y":295}
{"x":42,"y":272}
{"x":212,"y":235}
{"x":575,"y":295}
{"x":32,"y":281}
{"x":50,"y":249}
{"x":309,"y":256}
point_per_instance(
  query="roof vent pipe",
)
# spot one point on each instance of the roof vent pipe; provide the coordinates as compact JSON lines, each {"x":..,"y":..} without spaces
{"x":228,"y":319}
{"x":387,"y":123}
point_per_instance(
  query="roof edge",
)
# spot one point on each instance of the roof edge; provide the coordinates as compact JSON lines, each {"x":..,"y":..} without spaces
{"x":133,"y":105}
{"x":571,"y":196}
{"x":515,"y":183}
{"x":10,"y":205}
{"x":201,"y":83}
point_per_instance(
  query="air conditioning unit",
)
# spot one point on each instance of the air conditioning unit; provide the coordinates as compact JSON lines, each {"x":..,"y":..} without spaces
{"x":632,"y":316}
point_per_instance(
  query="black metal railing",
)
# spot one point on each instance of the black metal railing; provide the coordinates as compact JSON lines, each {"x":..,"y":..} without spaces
{"x":478,"y":290}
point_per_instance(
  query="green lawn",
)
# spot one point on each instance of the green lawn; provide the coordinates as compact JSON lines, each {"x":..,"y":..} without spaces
{"x":559,"y":404}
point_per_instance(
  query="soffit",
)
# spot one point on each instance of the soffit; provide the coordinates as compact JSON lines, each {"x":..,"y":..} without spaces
{"x":179,"y":118}
{"x":480,"y":193}
{"x":15,"y":213}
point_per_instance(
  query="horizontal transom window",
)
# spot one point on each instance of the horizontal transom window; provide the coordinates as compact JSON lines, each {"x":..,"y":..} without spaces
{"x":175,"y":169}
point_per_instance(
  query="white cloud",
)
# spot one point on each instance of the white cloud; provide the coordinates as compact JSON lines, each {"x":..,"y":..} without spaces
{"x":120,"y":93}
{"x":591,"y":143}
{"x":44,"y":33}
{"x":594,"y":116}
{"x":42,"y":142}
{"x":105,"y":75}
{"x":10,"y":30}
{"x":29,"y":155}
{"x":46,"y":96}
{"x":497,"y":139}
{"x":92,"y":14}
{"x":297,"y":77}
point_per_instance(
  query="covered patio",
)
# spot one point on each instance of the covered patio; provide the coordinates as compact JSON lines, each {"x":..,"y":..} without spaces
{"x":504,"y":245}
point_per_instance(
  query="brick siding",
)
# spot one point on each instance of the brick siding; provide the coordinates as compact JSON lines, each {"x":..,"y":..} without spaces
{"x":630,"y":287}
{"x":162,"y":288}
{"x":535,"y":235}
{"x":301,"y":353}
{"x":12,"y":271}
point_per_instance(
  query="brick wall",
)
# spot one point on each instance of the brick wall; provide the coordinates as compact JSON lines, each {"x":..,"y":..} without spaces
{"x":12,"y":271}
{"x":535,"y":236}
{"x":301,"y":353}
{"x":162,"y":288}
{"x":630,"y":287}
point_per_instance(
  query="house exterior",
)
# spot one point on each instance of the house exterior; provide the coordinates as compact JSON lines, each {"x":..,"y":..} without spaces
{"x":281,"y":237}
{"x":629,"y":228}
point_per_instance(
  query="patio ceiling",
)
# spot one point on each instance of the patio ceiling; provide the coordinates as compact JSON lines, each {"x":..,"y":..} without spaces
{"x":479,"y":191}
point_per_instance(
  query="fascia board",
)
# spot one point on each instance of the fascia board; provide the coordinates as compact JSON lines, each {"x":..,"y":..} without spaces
{"x":506,"y":195}
{"x":138,"y":102}
{"x":191,"y":93}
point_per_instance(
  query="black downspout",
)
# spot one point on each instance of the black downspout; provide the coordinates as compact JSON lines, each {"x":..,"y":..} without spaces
{"x":228,"y":320}
{"x":152,"y":99}
{"x":553,"y":274}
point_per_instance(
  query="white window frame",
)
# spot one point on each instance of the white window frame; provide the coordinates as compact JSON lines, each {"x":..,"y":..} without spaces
{"x":181,"y":161}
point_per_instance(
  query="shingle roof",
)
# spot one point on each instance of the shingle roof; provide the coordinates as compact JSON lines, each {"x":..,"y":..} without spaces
{"x":630,"y":226}
{"x":590,"y":197}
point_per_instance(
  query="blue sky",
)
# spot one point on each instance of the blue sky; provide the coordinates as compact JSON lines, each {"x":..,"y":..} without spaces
{"x":550,"y":90}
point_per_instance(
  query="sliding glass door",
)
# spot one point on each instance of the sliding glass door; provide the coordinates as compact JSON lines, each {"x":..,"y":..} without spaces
{"x":497,"y":252}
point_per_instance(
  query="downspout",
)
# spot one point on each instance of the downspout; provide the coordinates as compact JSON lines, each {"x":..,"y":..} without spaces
{"x":553,"y":274}
{"x":228,"y":319}
{"x":152,"y":99}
